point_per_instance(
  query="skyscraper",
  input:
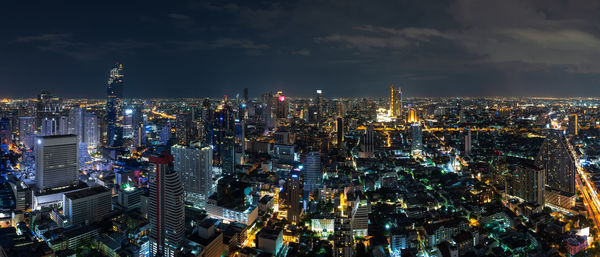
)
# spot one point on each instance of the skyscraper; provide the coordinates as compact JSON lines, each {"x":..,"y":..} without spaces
{"x":319,"y":103}
{"x":312,"y":171}
{"x":395,"y":102}
{"x":367,"y":144}
{"x":573,"y":129}
{"x":340,"y":132}
{"x":166,"y":210}
{"x":281,"y":105}
{"x":526,"y":180}
{"x":417,"y":138}
{"x":224,"y":139}
{"x":194,"y":164}
{"x":27,"y":131}
{"x":468,"y":143}
{"x":5,"y":131}
{"x":56,"y":161}
{"x":114,"y":93}
{"x":293,"y":193}
{"x":343,"y":236}
{"x":556,"y":160}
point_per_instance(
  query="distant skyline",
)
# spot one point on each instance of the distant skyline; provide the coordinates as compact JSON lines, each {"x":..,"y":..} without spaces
{"x":204,"y":48}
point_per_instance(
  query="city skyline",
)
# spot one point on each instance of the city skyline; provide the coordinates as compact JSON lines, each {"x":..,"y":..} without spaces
{"x":213,"y":48}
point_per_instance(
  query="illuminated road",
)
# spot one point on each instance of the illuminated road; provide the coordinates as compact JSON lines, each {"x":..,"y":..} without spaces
{"x":588,"y":190}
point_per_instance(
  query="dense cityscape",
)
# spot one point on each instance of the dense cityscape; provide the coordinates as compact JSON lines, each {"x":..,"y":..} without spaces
{"x":270,"y":174}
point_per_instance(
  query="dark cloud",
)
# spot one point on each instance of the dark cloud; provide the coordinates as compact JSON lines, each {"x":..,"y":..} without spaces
{"x":455,"y":47}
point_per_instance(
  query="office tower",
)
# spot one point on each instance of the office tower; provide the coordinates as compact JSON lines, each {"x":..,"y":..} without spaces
{"x":341,"y":108}
{"x":166,"y":210}
{"x":114,"y":93}
{"x":343,"y":236}
{"x":5,"y":131}
{"x":140,"y":136}
{"x":340,"y":132}
{"x":395,"y":102}
{"x":240,"y":141}
{"x":48,"y":106}
{"x":312,"y":171}
{"x":27,"y":131}
{"x":91,"y":130}
{"x":56,"y":161}
{"x":49,"y":127}
{"x":417,"y":138}
{"x":319,"y":103}
{"x":468,"y":143}
{"x":245,"y":94}
{"x":127,"y":123}
{"x":525,"y":180}
{"x":281,"y":106}
{"x":75,"y":122}
{"x":63,"y":125}
{"x":194,"y":164}
{"x":87,"y":205}
{"x":556,"y":160}
{"x":267,"y":110}
{"x":224,"y":139}
{"x":412,"y":116}
{"x":183,"y":128}
{"x":573,"y":128}
{"x":367,"y":143}
{"x":292,"y":189}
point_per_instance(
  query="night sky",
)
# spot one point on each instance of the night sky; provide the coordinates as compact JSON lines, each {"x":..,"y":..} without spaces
{"x":345,"y":47}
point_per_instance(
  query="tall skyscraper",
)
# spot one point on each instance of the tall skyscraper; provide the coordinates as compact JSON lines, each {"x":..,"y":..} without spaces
{"x":27,"y":131}
{"x":340,"y":132}
{"x":91,"y":130}
{"x":556,"y":160}
{"x":194,"y":164}
{"x":573,"y":128}
{"x":395,"y":102}
{"x":526,"y":180}
{"x":48,"y":107}
{"x":312,"y":171}
{"x":293,"y":196}
{"x":56,"y":161}
{"x":5,"y":131}
{"x":224,"y":139}
{"x":166,"y":208}
{"x":468,"y":143}
{"x":49,"y":127}
{"x":343,"y":236}
{"x":281,"y":105}
{"x":183,"y":128}
{"x":417,"y":138}
{"x":319,"y":103}
{"x":367,"y":143}
{"x":114,"y":94}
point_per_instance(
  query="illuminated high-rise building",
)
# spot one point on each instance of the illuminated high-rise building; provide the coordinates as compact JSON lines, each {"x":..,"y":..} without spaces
{"x":312,"y":171}
{"x":573,"y":128}
{"x":417,"y":138}
{"x":395,"y":102}
{"x":114,"y":93}
{"x":224,"y":139}
{"x":367,"y":143}
{"x":27,"y":131}
{"x":412,"y":116}
{"x":468,"y":143}
{"x":194,"y":164}
{"x":5,"y":131}
{"x":526,"y":180}
{"x":281,"y":105}
{"x":166,"y":208}
{"x":556,"y":160}
{"x":340,"y":132}
{"x":292,"y":190}
{"x":343,"y":236}
{"x":56,"y":161}
{"x":319,"y":104}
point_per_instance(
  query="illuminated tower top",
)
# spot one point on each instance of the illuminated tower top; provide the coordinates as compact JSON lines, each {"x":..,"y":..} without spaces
{"x":395,"y":101}
{"x":115,"y":82}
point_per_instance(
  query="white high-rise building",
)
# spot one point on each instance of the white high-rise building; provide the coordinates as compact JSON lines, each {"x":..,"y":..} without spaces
{"x":166,"y":208}
{"x":194,"y":164}
{"x":468,"y":143}
{"x":91,"y":131}
{"x":56,"y":161}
